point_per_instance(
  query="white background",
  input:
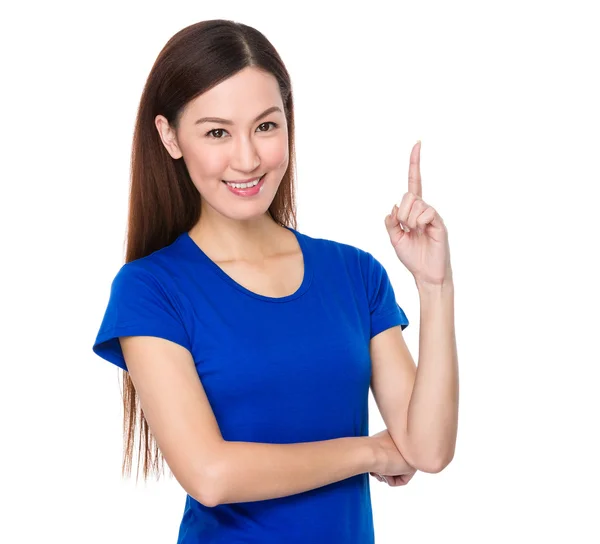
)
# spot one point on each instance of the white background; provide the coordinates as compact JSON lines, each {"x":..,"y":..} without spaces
{"x":505,"y":98}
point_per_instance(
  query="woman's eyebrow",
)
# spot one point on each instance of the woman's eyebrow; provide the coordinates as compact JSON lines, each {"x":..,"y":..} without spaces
{"x":228,"y":122}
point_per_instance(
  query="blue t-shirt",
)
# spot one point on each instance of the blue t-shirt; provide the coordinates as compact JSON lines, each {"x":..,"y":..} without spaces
{"x":275,"y":370}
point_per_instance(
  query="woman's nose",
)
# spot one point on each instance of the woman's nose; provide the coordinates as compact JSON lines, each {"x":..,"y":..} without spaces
{"x":245,"y":156}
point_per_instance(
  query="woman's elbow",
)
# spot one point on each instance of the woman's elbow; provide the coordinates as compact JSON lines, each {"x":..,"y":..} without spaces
{"x":205,"y":488}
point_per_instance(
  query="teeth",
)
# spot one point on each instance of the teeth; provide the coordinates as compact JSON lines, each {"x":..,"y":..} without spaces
{"x":244,"y":185}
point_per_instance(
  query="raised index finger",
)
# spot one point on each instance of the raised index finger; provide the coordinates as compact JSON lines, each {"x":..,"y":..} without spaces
{"x":414,"y":171}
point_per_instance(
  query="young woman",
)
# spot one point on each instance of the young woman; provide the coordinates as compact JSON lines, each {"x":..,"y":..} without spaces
{"x":248,"y":348}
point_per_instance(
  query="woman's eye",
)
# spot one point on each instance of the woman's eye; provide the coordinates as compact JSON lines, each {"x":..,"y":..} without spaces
{"x":266,"y":125}
{"x":219,"y":133}
{"x":216,"y":133}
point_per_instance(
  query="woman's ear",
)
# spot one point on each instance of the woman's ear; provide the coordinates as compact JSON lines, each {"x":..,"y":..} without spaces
{"x":168,"y":136}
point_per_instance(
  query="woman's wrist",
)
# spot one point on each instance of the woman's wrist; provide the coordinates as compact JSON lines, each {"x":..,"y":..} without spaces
{"x":375,"y":454}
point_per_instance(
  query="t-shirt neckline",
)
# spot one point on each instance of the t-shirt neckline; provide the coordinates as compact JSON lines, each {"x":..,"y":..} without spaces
{"x":306,"y":279}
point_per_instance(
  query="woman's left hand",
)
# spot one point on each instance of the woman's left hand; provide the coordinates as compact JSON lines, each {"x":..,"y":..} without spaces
{"x":417,"y":232}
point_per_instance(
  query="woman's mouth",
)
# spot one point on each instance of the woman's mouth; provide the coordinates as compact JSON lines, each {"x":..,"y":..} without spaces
{"x":250,"y":188}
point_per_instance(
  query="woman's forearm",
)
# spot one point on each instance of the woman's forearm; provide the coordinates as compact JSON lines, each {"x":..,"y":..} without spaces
{"x":433,"y":409}
{"x":250,"y":471}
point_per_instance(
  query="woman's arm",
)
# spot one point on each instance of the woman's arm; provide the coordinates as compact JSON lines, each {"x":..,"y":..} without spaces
{"x":433,"y":408}
{"x":420,"y":405}
{"x":426,"y":430}
{"x":215,"y":471}
{"x":250,"y":471}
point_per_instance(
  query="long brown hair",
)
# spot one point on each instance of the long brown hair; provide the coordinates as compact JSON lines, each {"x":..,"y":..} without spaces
{"x":163,"y":201}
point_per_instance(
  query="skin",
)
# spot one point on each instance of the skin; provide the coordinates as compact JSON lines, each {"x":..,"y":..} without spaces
{"x":234,"y":228}
{"x":420,"y":406}
{"x":418,"y":233}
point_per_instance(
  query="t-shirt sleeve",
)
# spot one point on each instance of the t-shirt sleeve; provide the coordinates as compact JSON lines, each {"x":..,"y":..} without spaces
{"x":138,"y":306}
{"x":385,"y":311}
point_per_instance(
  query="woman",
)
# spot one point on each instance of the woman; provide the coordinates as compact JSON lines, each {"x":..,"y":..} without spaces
{"x":250,"y":347}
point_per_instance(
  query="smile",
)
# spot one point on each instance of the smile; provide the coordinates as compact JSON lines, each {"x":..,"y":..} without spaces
{"x":250,"y":188}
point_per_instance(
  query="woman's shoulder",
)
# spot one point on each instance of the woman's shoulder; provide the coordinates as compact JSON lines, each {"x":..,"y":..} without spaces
{"x":155,"y":269}
{"x":330,"y":247}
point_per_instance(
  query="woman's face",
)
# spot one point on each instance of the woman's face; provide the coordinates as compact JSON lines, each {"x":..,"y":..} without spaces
{"x":235,"y":132}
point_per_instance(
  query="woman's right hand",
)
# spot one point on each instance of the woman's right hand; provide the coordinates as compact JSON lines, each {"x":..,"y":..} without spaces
{"x":389,"y":461}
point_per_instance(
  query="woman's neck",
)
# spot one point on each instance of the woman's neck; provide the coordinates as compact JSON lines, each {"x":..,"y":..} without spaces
{"x":226,"y":239}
